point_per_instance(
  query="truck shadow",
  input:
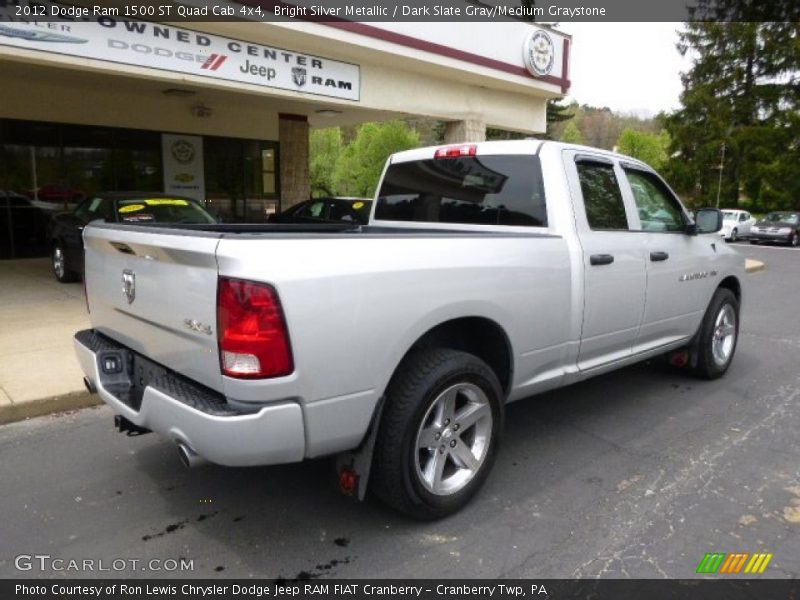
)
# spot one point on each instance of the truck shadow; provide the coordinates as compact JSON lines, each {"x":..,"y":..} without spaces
{"x":560,"y":450}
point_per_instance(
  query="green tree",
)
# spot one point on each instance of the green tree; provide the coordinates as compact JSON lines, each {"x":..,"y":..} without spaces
{"x":742,"y":93}
{"x":647,"y":147}
{"x":572,"y":135}
{"x":325,"y":147}
{"x":361,"y":162}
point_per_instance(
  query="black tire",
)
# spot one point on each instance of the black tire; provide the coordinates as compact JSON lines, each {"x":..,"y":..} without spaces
{"x":411,"y":395}
{"x":703,"y":363}
{"x":794,"y":241}
{"x":63,"y":273}
{"x":734,"y":235}
{"x":754,"y":242}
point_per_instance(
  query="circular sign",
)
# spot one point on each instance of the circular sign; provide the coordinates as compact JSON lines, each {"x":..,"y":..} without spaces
{"x":183,"y":151}
{"x":538,"y":52}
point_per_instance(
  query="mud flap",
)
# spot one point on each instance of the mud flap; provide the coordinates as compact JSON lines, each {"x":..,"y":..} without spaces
{"x":358,"y":463}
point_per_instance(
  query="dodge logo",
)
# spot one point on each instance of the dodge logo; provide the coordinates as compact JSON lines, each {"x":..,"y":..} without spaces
{"x":299,"y":76}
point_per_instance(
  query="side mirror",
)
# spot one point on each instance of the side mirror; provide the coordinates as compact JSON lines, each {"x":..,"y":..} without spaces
{"x":706,"y":220}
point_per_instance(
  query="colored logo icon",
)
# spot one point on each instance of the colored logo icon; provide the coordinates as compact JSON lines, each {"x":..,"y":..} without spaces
{"x":734,"y":563}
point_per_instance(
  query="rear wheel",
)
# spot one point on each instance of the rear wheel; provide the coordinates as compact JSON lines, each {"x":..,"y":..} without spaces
{"x":439,"y":433}
{"x":716,"y":341}
{"x":60,"y":269}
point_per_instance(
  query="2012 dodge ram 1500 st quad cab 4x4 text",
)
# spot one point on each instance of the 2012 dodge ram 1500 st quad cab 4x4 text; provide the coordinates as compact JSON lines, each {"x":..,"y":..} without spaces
{"x":487,"y":273}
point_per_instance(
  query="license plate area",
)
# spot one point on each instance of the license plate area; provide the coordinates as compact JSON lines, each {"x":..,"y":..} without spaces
{"x":126,"y":374}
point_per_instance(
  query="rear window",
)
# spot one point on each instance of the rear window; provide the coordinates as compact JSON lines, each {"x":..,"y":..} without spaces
{"x":162,"y":210}
{"x":477,"y":190}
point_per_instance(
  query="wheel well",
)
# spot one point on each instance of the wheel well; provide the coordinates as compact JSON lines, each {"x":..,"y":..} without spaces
{"x":732,"y":284}
{"x":477,"y":335}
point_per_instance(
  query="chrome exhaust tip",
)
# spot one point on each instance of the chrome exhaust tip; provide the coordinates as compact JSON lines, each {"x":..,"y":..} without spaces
{"x":189,"y":457}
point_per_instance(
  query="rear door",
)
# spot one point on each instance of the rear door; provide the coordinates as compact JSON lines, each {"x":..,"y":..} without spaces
{"x":155,"y":291}
{"x":614,"y":269}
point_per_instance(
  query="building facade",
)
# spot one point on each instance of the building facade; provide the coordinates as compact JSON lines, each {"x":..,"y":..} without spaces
{"x":222,"y":110}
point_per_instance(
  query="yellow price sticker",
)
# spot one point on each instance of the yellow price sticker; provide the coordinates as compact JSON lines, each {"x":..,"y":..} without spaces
{"x":166,"y":202}
{"x":131,"y":208}
{"x":357,"y":205}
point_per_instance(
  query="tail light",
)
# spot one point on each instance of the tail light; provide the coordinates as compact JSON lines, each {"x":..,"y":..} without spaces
{"x":253,"y":340}
{"x":456,"y":151}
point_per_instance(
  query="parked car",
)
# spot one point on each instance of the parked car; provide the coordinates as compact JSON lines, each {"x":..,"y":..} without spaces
{"x":779,"y":226}
{"x":488,"y":273}
{"x":66,"y":229}
{"x":736,"y":224}
{"x":354,"y":210}
{"x":24,"y":223}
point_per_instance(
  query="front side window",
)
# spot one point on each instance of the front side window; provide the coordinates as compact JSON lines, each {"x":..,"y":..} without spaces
{"x":658,"y":209}
{"x":94,"y":208}
{"x":602,"y":197}
{"x":479,"y":190}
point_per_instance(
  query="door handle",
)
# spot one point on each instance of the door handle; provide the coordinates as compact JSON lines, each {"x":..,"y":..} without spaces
{"x":601,"y":259}
{"x":657,"y":256}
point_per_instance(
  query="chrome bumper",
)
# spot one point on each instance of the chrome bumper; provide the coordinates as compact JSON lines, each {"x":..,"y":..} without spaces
{"x":190,"y":414}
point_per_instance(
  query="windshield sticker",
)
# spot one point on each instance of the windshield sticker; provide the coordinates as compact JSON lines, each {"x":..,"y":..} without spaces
{"x":166,"y":202}
{"x":131,"y":208}
{"x":138,"y":217}
{"x":357,"y":205}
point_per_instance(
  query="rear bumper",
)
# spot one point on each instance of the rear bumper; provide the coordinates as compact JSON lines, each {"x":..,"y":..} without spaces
{"x":188,"y":413}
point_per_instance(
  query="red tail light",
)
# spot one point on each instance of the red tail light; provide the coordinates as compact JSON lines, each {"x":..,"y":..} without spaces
{"x":456,"y":151}
{"x":253,"y":340}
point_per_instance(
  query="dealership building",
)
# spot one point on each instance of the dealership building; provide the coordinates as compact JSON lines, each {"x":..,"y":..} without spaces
{"x":221,"y":111}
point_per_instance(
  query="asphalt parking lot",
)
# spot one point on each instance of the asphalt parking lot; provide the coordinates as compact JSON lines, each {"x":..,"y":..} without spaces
{"x":638,"y":473}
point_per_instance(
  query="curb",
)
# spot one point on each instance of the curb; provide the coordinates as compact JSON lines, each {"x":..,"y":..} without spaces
{"x":752,"y":266}
{"x":44,"y":406}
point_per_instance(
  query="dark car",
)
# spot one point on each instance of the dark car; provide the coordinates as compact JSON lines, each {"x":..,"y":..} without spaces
{"x":23,"y":225}
{"x":326,"y":210}
{"x":779,"y":226}
{"x":66,"y":229}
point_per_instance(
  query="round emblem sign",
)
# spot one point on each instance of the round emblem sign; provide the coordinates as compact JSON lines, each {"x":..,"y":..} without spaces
{"x":183,"y":151}
{"x":539,"y":53}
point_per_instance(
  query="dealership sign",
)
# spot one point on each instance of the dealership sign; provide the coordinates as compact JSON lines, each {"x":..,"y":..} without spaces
{"x":158,"y":46}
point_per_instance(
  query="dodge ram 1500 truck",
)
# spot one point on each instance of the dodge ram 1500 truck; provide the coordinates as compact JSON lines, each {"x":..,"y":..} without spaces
{"x":487,"y":273}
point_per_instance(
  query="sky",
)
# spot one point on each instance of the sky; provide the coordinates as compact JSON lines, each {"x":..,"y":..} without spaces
{"x":629,"y":67}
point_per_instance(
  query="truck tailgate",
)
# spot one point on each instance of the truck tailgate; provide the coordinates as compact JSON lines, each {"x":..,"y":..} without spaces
{"x":155,"y":291}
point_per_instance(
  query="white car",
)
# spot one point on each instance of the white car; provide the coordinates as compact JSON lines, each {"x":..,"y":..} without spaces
{"x":736,"y":224}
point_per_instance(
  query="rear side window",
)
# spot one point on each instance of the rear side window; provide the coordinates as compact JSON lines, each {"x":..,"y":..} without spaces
{"x":478,"y":190}
{"x":602,"y":197}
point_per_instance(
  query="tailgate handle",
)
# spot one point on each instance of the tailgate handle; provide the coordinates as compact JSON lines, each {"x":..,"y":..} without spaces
{"x":658,"y":256}
{"x":124,"y":248}
{"x":601,"y":259}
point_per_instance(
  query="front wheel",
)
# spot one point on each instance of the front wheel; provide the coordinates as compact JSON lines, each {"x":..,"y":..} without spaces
{"x":794,"y":241}
{"x":734,"y":235}
{"x":716,"y":340}
{"x":439,"y":433}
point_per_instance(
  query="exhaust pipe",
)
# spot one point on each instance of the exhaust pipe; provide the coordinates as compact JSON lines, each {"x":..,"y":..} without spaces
{"x":189,"y":457}
{"x":89,"y":385}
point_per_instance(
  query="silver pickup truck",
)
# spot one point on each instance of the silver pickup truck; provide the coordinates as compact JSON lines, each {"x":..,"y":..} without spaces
{"x":488,"y":273}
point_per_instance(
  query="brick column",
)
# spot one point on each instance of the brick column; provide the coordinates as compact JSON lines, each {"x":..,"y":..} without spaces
{"x":295,"y":178}
{"x":468,"y":130}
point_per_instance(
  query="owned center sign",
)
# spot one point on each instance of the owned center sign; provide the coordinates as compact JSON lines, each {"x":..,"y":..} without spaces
{"x":169,"y":48}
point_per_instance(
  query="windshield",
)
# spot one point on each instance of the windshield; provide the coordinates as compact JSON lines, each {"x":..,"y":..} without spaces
{"x":162,"y":210}
{"x":782,"y":217}
{"x":728,"y":215}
